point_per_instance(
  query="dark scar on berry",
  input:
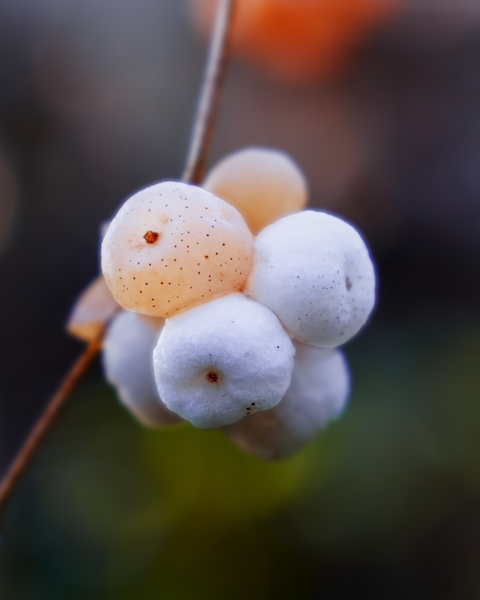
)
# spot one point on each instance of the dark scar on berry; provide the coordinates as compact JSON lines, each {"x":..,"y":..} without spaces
{"x":212,"y":377}
{"x":348,"y":283}
{"x":151,"y":237}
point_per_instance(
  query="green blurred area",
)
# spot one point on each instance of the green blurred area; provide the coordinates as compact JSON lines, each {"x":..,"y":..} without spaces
{"x":384,"y":504}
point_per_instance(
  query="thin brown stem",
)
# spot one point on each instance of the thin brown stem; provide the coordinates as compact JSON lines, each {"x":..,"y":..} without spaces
{"x":209,"y":101}
{"x":197,"y":156}
{"x":28,"y":450}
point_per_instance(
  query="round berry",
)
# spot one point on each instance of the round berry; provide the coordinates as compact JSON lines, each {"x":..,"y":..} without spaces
{"x":263,"y":184}
{"x":172,"y":246}
{"x":128,"y":364}
{"x":313,"y":270}
{"x":317,"y":394}
{"x":223,"y":360}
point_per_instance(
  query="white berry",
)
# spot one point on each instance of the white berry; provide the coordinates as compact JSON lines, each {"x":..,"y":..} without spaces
{"x":128,"y":363}
{"x":313,"y":270}
{"x":317,"y":394}
{"x":223,"y":360}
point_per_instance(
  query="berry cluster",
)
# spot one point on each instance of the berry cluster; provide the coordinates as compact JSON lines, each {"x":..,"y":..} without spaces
{"x":243,"y":331}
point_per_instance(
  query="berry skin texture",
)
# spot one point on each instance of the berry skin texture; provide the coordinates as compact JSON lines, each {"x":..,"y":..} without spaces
{"x":263,"y":184}
{"x":313,"y":270}
{"x":317,"y":394}
{"x":128,"y":364}
{"x":173,"y":246}
{"x":222,"y":361}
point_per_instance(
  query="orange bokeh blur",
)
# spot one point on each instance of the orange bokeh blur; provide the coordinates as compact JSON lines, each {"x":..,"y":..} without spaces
{"x":299,"y":40}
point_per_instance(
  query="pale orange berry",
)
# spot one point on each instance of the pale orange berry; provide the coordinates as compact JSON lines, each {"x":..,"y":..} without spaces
{"x":263,"y":184}
{"x":173,"y":246}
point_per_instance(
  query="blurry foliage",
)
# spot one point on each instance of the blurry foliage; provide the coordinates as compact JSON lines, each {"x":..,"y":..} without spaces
{"x":299,"y":42}
{"x":111,"y":510}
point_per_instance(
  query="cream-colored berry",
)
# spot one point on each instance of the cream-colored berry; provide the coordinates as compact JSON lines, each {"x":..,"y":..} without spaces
{"x":173,"y":246}
{"x":263,"y":184}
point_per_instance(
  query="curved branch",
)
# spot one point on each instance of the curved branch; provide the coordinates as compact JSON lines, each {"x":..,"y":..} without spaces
{"x":28,"y":450}
{"x":209,"y":101}
{"x":197,"y":156}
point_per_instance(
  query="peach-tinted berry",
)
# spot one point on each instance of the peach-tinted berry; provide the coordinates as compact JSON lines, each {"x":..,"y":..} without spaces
{"x":263,"y":184}
{"x":173,"y":246}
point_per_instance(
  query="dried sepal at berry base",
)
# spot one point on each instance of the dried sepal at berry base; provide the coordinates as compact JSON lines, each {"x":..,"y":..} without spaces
{"x":317,"y":395}
{"x":223,"y":360}
{"x":314,"y":271}
{"x":173,"y":246}
{"x":262,"y":183}
{"x":93,"y":309}
{"x":128,"y":365}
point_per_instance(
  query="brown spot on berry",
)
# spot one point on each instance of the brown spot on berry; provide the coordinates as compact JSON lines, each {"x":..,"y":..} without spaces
{"x":151,"y":237}
{"x":348,"y":283}
{"x":212,"y":377}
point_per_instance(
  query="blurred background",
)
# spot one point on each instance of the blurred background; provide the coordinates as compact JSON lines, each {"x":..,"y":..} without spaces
{"x":380,"y":106}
